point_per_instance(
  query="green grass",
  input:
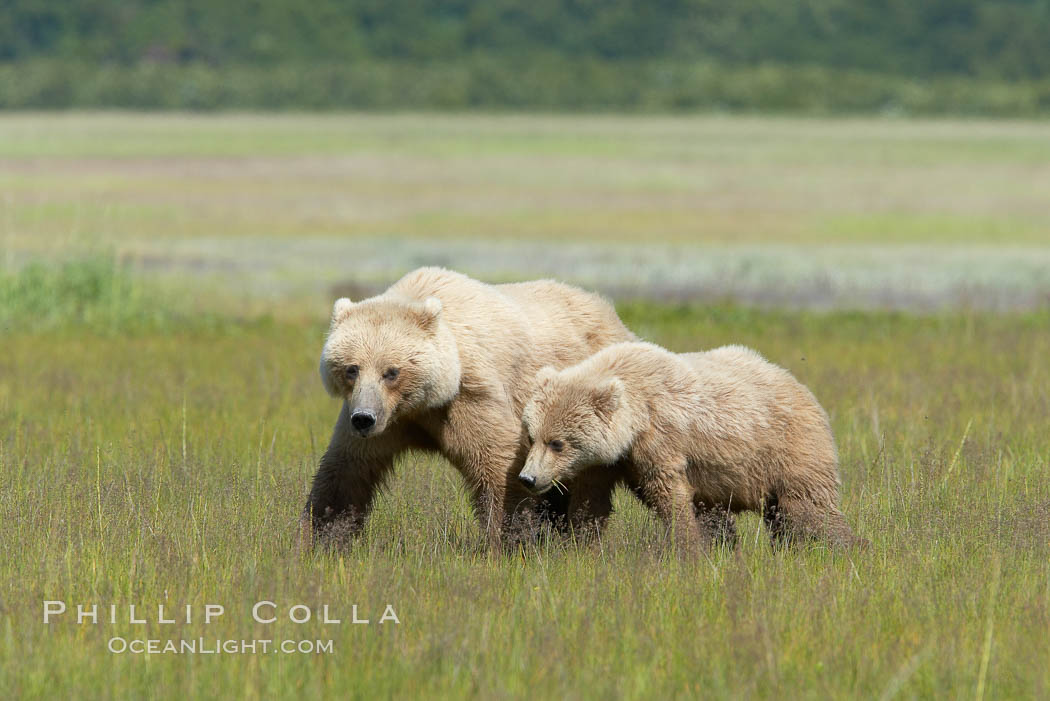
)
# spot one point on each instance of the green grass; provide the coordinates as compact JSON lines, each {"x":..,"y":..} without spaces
{"x":161,"y":415}
{"x":94,"y":294}
{"x":144,"y":182}
{"x":169,"y":467}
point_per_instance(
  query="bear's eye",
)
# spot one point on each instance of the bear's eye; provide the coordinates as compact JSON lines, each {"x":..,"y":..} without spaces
{"x":351,"y":372}
{"x":391,"y":374}
{"x":557,"y":446}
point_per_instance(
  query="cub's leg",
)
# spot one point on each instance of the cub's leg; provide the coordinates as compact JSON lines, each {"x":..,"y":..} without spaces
{"x":718,"y":522}
{"x":553,"y":509}
{"x":794,"y":518}
{"x":667,"y":490}
{"x":590,"y":502}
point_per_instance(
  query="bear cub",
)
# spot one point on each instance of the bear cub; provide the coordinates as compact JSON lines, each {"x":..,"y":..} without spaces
{"x":697,"y":436}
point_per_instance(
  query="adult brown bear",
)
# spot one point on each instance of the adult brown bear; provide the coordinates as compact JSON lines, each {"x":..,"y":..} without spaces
{"x":445,"y":363}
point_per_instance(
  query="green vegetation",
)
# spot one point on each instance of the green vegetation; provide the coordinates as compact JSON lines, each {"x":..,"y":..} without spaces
{"x":92,"y":294}
{"x":170,"y":468}
{"x":814,"y":56}
{"x":1002,"y":39}
{"x":552,"y":84}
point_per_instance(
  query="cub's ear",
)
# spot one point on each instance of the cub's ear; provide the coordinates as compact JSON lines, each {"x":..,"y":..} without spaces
{"x":541,"y":384}
{"x":429,"y":311}
{"x":608,"y":397}
{"x":544,"y":376}
{"x":341,"y":309}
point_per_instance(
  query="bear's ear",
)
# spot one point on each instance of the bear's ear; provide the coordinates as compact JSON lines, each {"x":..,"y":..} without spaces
{"x":608,"y":397}
{"x":341,"y":309}
{"x":429,"y":312}
{"x":326,"y":377}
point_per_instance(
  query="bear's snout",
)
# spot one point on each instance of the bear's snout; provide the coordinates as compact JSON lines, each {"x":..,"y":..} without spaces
{"x":535,"y":485}
{"x":363,"y":421}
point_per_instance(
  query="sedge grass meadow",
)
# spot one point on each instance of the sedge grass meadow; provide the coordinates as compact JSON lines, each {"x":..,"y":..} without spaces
{"x":161,"y":415}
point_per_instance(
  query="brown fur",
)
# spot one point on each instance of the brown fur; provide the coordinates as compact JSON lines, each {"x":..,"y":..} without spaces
{"x":699,"y":436}
{"x":466,"y":354}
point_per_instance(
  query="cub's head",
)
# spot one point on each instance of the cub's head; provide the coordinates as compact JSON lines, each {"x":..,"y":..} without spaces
{"x":387,"y":358}
{"x":572,"y":422}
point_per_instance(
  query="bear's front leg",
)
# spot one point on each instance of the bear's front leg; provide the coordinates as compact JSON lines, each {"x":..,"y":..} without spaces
{"x":717,"y":523}
{"x":345,"y":485}
{"x":590,"y":502}
{"x":481,"y":436}
{"x":340,"y":498}
{"x":664,"y":485}
{"x":488,"y":507}
{"x":506,"y":512}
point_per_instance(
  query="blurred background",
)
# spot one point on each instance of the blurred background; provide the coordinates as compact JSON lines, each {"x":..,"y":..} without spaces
{"x":818,"y":153}
{"x":941,"y":56}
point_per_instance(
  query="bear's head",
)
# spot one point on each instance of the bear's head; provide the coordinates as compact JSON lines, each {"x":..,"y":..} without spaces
{"x":572,"y":422}
{"x":388,"y":358}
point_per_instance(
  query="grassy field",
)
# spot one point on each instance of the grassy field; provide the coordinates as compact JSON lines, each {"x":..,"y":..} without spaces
{"x":684,"y":179}
{"x":158,"y":431}
{"x":271,"y":209}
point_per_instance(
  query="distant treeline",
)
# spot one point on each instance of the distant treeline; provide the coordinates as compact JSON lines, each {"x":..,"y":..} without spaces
{"x":928,"y":56}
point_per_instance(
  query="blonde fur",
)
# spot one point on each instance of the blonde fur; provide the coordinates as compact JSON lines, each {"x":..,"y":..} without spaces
{"x":466,"y":354}
{"x":723,"y":430}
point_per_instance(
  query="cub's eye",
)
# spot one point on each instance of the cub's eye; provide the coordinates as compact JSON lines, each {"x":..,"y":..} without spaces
{"x":351,"y":372}
{"x":557,"y":446}
{"x":391,"y":374}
